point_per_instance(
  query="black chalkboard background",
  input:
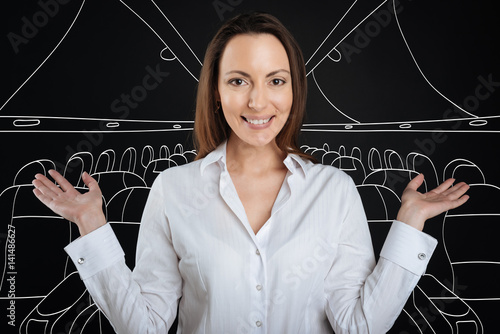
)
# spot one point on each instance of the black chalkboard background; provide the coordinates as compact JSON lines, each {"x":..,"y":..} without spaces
{"x":395,"y":88}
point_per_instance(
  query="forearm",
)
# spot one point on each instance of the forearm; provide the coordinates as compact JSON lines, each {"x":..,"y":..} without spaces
{"x":380,"y":301}
{"x":100,"y":262}
{"x":127,"y":308}
{"x":360,"y":303}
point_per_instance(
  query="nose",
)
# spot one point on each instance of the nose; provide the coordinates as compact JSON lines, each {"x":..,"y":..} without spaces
{"x":258,"y":99}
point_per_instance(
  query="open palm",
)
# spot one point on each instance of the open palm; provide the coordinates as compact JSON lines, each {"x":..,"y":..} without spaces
{"x":85,"y":210}
{"x":417,"y":207}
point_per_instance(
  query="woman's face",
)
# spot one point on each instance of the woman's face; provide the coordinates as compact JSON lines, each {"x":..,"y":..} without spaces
{"x":255,"y":88}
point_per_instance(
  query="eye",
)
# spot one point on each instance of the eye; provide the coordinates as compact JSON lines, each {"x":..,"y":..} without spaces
{"x":237,"y":82}
{"x":277,"y":82}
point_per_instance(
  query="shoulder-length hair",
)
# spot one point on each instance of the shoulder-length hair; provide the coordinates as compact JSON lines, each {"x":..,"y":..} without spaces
{"x":210,"y":126}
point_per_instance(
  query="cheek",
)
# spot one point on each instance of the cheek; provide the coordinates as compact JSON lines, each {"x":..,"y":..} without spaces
{"x":283,"y":102}
{"x":232,"y":103}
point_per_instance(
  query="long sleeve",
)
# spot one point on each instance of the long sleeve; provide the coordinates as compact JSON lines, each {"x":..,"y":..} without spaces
{"x":309,"y":269}
{"x":144,"y":301}
{"x":366,"y":298}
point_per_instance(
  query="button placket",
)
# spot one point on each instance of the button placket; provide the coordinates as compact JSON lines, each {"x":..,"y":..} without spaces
{"x":257,"y":260}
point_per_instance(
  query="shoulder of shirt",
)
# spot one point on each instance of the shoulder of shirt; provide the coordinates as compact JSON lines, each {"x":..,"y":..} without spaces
{"x":180,"y":172}
{"x":308,"y":169}
{"x":313,"y":170}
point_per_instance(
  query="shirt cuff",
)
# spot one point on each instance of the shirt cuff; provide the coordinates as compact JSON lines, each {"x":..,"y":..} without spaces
{"x":408,"y":247}
{"x":95,"y":251}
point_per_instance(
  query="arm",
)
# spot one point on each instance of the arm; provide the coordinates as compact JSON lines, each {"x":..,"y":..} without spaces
{"x":144,"y":301}
{"x":366,"y":298}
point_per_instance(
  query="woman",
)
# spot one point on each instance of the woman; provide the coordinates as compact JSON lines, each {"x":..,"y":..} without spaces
{"x":253,"y":235}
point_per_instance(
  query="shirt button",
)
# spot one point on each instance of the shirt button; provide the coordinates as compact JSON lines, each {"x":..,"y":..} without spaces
{"x":257,"y":252}
{"x":258,"y":287}
{"x":81,"y":260}
{"x":422,"y":256}
{"x":258,"y":323}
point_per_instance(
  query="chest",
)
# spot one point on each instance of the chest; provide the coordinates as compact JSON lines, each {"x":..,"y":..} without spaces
{"x":211,"y":238}
{"x":258,"y":196}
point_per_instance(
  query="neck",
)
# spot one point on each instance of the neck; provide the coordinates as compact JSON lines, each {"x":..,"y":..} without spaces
{"x":256,"y":160}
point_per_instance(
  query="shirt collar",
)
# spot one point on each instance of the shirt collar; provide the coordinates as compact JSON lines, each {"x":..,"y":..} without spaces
{"x":293,"y":162}
{"x":219,"y":154}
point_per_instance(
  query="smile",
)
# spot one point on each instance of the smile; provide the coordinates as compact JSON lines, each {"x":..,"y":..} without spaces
{"x":257,"y":121}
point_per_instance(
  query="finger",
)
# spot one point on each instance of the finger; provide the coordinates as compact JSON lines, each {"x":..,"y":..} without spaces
{"x":443,"y":186}
{"x":45,"y":185}
{"x":457,"y":191}
{"x":42,"y":198}
{"x":416,"y":182}
{"x":459,"y":201}
{"x":61,"y":180}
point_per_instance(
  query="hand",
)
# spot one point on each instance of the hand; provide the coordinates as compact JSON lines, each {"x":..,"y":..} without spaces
{"x":85,"y":210}
{"x":416,"y":207}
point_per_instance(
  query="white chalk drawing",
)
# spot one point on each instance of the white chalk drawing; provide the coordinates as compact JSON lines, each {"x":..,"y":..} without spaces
{"x":60,"y":301}
{"x":174,"y":38}
{"x":173,"y":41}
{"x":43,"y":62}
{"x":125,"y":183}
{"x":432,"y":303}
{"x":178,"y":49}
{"x":52,"y":124}
{"x":328,"y":51}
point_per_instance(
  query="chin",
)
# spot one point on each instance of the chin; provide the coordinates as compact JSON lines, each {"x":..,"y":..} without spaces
{"x":259,"y":142}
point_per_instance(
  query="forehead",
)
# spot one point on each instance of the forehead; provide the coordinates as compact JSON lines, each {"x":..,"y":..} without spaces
{"x":256,"y":52}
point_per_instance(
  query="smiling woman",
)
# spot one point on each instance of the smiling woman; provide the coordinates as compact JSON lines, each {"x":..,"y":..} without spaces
{"x":283,"y":56}
{"x":255,"y":93}
{"x":253,"y":235}
{"x":255,"y":88}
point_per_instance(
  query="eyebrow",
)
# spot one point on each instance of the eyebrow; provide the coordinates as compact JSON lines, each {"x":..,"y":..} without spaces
{"x":270,"y":74}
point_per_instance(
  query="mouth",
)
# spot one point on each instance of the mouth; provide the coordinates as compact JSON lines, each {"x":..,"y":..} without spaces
{"x":257,"y":121}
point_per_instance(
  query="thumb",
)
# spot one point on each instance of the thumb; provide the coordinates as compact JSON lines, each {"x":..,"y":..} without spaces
{"x":416,"y":182}
{"x":90,"y":182}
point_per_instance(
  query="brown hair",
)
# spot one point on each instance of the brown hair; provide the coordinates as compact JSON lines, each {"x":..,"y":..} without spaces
{"x":210,"y":127}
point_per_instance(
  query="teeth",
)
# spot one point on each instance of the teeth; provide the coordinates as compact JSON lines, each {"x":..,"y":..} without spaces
{"x":258,"y":121}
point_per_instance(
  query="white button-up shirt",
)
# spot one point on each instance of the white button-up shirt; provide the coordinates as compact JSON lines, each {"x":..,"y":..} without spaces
{"x":309,"y":269}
